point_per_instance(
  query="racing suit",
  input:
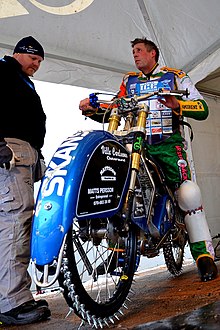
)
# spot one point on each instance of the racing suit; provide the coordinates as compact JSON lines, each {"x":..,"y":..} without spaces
{"x":166,"y":144}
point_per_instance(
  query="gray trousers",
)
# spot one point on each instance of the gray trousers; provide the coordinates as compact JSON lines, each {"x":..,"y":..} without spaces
{"x":16,"y":211}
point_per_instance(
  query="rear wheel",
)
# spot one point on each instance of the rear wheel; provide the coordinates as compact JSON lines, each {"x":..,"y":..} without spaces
{"x":173,"y":248}
{"x":98,"y":269}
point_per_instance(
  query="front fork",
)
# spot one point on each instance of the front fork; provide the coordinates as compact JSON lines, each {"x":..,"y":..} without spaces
{"x":137,"y":147}
{"x":139,"y":136}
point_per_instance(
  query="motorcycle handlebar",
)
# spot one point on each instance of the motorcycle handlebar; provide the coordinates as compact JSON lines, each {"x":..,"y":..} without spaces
{"x":95,"y":102}
{"x":161,"y":92}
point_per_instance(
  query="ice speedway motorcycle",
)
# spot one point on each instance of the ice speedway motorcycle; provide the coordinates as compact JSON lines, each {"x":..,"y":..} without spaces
{"x":102,"y":205}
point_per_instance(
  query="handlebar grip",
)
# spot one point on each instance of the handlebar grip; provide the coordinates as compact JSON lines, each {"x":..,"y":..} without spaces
{"x":174,"y":92}
{"x":179,"y":91}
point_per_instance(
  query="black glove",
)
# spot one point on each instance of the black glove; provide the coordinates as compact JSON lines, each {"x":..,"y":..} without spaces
{"x":6,"y":155}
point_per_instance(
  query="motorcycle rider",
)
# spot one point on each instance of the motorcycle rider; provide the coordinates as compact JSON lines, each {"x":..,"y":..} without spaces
{"x":166,"y":143}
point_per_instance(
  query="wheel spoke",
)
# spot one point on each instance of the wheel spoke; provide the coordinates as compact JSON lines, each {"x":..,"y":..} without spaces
{"x":102,"y":266}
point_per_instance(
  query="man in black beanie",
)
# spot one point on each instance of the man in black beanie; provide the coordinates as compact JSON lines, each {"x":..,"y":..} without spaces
{"x":29,"y":45}
{"x":22,"y":132}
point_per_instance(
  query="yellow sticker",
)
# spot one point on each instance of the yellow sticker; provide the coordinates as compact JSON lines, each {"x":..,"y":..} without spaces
{"x":124,"y":278}
{"x":191,"y":105}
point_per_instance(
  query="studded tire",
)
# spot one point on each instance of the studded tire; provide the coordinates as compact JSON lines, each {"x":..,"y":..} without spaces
{"x":173,"y":248}
{"x":97,"y":272}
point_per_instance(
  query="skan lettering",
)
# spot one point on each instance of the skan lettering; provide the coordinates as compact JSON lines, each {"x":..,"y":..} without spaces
{"x":57,"y":170}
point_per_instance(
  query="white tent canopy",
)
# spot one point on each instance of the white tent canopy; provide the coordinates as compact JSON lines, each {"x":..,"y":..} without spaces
{"x":87,"y":42}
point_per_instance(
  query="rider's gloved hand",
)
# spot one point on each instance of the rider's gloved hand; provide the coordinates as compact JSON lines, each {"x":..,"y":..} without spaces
{"x":6,"y":155}
{"x":87,"y":109}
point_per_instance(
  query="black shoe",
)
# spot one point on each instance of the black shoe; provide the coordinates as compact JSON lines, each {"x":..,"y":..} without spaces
{"x":207,"y":269}
{"x":40,"y":302}
{"x":29,"y":312}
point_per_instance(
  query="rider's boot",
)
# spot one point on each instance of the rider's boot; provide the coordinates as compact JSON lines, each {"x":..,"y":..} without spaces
{"x":190,"y":201}
{"x":207,"y":268}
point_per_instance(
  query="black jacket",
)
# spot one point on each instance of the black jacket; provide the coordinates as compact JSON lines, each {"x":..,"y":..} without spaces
{"x":21,"y":112}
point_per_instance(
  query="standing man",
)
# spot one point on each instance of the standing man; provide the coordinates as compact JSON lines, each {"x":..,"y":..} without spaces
{"x":22,"y":132}
{"x":166,"y":144}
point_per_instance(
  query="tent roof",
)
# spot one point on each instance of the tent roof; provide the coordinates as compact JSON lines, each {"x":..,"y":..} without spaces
{"x":87,"y":42}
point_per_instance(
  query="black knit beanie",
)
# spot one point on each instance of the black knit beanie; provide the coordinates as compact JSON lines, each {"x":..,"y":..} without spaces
{"x":29,"y":45}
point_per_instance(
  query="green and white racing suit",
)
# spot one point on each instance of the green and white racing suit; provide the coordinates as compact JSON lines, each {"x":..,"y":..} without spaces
{"x":166,"y":144}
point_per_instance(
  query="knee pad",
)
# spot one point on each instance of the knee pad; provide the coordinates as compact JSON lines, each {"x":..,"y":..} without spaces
{"x":190,"y":200}
{"x":189,"y":196}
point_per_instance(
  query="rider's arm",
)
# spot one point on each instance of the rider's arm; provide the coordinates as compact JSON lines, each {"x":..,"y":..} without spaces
{"x":98,"y":114}
{"x":89,"y":111}
{"x":194,"y":106}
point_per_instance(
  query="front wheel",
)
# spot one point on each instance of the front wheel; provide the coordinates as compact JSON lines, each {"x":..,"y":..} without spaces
{"x":98,"y":268}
